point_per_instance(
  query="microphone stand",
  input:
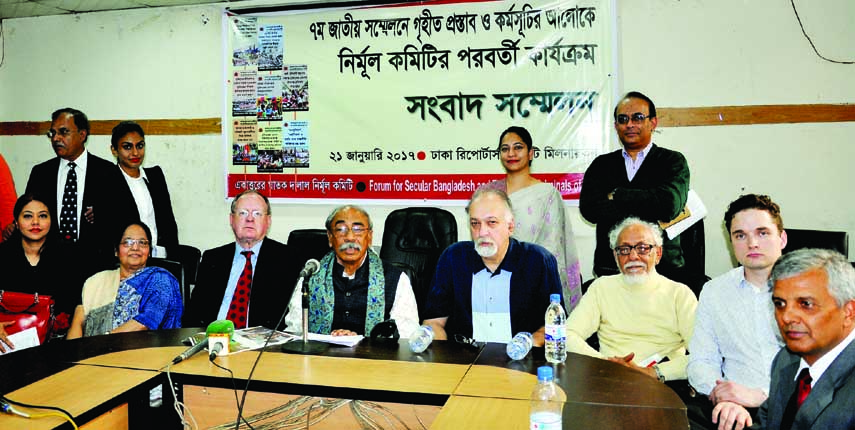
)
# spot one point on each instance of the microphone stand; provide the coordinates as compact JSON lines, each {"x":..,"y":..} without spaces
{"x":308,"y":347}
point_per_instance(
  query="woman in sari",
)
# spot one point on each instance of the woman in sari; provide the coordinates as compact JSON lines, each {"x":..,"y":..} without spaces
{"x":539,"y":212}
{"x":132,"y":297}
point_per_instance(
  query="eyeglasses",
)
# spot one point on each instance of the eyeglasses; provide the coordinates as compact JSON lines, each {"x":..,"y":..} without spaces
{"x":129,"y":243}
{"x":637,"y":117}
{"x":64,"y":132}
{"x":127,"y":146}
{"x":640,"y":249}
{"x":358,"y":230}
{"x":243,"y":213}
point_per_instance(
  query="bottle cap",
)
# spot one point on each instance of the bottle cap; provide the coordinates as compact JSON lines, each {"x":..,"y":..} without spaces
{"x":544,"y":373}
{"x":555,"y":297}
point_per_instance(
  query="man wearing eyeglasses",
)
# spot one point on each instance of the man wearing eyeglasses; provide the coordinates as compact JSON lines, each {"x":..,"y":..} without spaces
{"x":242,"y":281}
{"x":641,"y":180}
{"x":353,"y":289}
{"x":643,"y":320}
{"x":77,"y":187}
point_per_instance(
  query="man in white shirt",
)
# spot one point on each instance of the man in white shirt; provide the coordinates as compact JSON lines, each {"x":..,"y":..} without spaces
{"x":735,"y":337}
{"x":813,"y":378}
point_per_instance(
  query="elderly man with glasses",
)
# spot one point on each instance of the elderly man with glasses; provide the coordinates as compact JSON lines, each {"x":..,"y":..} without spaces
{"x":641,"y":180}
{"x":643,"y":320}
{"x":353,"y":289}
{"x":242,"y":281}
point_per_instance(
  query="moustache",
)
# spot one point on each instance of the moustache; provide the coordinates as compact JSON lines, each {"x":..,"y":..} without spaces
{"x":632,"y":264}
{"x":350,"y":245}
{"x":481,"y":242}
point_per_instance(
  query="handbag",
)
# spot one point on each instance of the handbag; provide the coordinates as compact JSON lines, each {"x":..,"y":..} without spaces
{"x":27,"y":310}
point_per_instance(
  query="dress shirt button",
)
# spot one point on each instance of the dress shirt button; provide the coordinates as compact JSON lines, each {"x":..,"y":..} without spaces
{"x":347,"y":294}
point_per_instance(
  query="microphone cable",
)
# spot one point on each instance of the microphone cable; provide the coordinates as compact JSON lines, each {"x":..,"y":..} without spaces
{"x":180,"y":408}
{"x":6,"y":406}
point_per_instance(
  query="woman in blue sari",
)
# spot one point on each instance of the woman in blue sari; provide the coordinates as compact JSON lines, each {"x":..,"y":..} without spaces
{"x":132,"y":297}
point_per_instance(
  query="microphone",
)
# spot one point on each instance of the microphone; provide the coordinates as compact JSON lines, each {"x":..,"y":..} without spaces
{"x":215,"y":350}
{"x":220,"y":327}
{"x":310,"y":268}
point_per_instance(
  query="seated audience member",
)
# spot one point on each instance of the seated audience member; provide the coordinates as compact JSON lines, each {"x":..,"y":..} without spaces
{"x":132,"y":297}
{"x":494,"y":286}
{"x":242,"y":281}
{"x":813,"y":378}
{"x":735,"y":339}
{"x":8,"y":196}
{"x":639,"y":315}
{"x":142,"y":192}
{"x":34,"y":260}
{"x":539,"y":214}
{"x":354,"y":290}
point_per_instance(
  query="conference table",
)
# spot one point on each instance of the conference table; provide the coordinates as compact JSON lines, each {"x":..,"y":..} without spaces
{"x":106,"y":382}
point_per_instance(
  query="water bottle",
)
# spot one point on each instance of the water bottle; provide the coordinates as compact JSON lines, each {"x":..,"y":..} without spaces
{"x":545,"y":402}
{"x":519,"y":346}
{"x":421,"y":339}
{"x":556,"y":331}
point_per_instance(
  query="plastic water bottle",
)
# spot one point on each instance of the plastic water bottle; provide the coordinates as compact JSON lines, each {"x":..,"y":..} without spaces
{"x":556,"y":331}
{"x":545,"y":402}
{"x":421,"y":339}
{"x":519,"y":346}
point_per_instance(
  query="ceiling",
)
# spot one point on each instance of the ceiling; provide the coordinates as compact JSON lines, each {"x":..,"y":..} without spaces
{"x":28,"y":8}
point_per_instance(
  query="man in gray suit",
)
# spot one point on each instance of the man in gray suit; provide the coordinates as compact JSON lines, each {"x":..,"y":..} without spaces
{"x":813,"y":378}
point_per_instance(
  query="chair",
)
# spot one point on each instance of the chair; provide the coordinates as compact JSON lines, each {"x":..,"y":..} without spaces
{"x":189,"y":258}
{"x":834,"y":240}
{"x":309,"y":243}
{"x":413,"y":239}
{"x":176,"y":269}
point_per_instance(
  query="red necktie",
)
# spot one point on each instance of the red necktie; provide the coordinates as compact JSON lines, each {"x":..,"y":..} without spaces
{"x":804,"y":386}
{"x":240,"y":301}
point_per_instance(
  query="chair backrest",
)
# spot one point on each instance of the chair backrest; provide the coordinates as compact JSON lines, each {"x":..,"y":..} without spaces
{"x":310,"y":243}
{"x":176,"y":269}
{"x":834,"y":240}
{"x":414,"y":238}
{"x":694,"y":248}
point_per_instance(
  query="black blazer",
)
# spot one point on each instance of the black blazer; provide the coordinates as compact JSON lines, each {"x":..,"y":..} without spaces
{"x":270,"y":294}
{"x":98,"y":193}
{"x":167,"y":229}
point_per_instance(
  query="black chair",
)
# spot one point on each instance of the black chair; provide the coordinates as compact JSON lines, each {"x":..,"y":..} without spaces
{"x":189,"y":258}
{"x":309,"y":243}
{"x":176,"y":269}
{"x":833,"y":240}
{"x":413,"y":239}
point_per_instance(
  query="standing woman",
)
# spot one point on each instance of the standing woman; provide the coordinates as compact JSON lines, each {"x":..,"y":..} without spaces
{"x":34,"y":260}
{"x":132,"y":297}
{"x":539,"y":212}
{"x":143,"y":192}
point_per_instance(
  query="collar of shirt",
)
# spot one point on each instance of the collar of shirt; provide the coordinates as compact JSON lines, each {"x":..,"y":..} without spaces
{"x":345,"y":275}
{"x":631,"y":165}
{"x":641,"y":154}
{"x":256,"y":249}
{"x":744,"y":283}
{"x":820,"y":366}
{"x":508,"y":263}
{"x":131,"y":178}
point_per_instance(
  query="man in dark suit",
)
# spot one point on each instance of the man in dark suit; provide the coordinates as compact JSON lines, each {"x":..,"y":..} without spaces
{"x":640,"y":180}
{"x":813,"y":378}
{"x":243,"y":281}
{"x":86,"y":220}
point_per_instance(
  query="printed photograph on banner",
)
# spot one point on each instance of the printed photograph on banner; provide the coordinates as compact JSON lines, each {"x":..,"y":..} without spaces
{"x":244,"y":39}
{"x":245,"y":146}
{"x":295,"y":141}
{"x":270,"y":149}
{"x":243,"y":92}
{"x":268,"y":105}
{"x":271,"y":47}
{"x":295,"y":87}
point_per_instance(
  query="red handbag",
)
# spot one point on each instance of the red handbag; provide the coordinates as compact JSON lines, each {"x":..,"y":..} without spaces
{"x":27,"y":310}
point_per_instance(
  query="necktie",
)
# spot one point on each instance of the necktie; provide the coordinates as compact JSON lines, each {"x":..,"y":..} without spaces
{"x":68,"y":215}
{"x":240,"y":301}
{"x":803,"y":389}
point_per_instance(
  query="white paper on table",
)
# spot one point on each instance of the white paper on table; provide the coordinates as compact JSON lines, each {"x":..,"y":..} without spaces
{"x":697,"y":212}
{"x":336,"y":340}
{"x":23,"y":340}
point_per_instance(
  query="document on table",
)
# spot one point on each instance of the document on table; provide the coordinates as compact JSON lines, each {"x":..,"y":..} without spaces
{"x":336,"y":340}
{"x":23,"y":340}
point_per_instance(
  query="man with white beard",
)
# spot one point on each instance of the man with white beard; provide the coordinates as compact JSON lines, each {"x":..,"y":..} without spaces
{"x":494,"y":286}
{"x":643,"y":320}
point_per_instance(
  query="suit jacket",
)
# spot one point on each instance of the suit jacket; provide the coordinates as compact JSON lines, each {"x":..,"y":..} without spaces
{"x":98,"y":193}
{"x":268,"y":298}
{"x":657,"y":192}
{"x":167,"y":228}
{"x":831,"y":403}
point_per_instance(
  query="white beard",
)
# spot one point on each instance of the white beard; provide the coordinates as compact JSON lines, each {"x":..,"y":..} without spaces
{"x":486,"y":251}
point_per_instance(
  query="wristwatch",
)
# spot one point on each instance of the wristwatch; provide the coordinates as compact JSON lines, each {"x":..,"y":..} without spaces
{"x":659,"y":373}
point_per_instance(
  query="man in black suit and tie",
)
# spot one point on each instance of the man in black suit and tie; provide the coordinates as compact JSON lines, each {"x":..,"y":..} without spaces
{"x":77,"y":186}
{"x":243,"y":281}
{"x":813,"y":378}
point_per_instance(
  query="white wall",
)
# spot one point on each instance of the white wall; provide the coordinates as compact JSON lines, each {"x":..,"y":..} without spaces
{"x":167,"y":63}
